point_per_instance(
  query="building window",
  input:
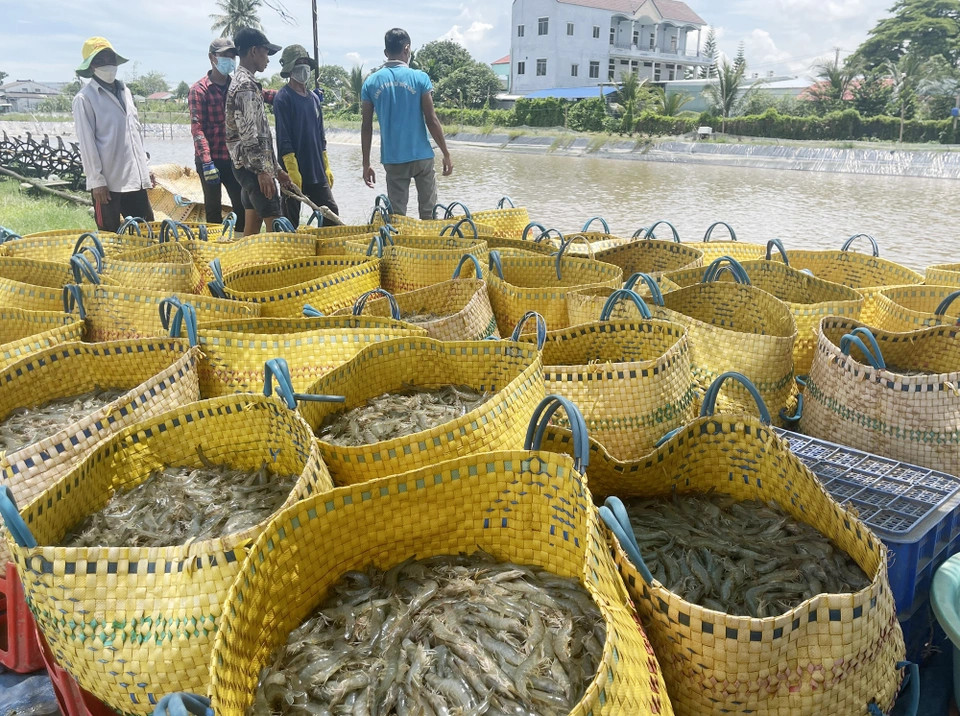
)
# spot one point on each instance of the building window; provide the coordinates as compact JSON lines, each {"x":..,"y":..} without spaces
{"x":635,"y":65}
{"x":670,"y":75}
{"x":521,"y":68}
{"x":636,"y":37}
{"x":594,"y":70}
{"x":611,"y":70}
{"x":613,"y":35}
{"x":673,"y":43}
{"x":653,"y":42}
{"x":542,"y":67}
{"x":570,"y":28}
{"x":656,"y":72}
{"x":596,"y":32}
{"x":519,"y":30}
{"x":574,"y":70}
{"x":543,"y":25}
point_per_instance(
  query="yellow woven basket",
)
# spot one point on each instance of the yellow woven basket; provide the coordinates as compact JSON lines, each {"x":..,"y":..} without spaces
{"x":586,"y":304}
{"x":832,"y":654}
{"x":113,"y":313}
{"x":281,"y":289}
{"x":505,"y":503}
{"x":512,"y":371}
{"x":652,"y":256}
{"x":461,"y":305}
{"x":507,"y":221}
{"x":907,"y":308}
{"x":164,"y":267}
{"x":630,"y":379}
{"x":424,"y":227}
{"x":809,"y":298}
{"x":250,"y":252}
{"x":520,"y":283}
{"x":158,"y":374}
{"x":61,"y":245}
{"x":23,"y":332}
{"x":155,"y":632}
{"x":740,"y":250}
{"x":865,"y":399}
{"x":943,"y":275}
{"x":234,"y":352}
{"x":869,"y":274}
{"x":335,"y":232}
{"x":33,"y":284}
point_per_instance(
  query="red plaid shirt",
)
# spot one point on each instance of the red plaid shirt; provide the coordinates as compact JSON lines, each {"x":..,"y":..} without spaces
{"x":207,"y":101}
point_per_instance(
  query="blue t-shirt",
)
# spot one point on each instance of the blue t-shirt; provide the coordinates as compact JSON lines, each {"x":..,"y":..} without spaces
{"x":300,"y":130}
{"x":396,"y":92}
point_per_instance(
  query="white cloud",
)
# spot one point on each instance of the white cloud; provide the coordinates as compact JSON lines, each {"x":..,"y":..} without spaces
{"x":354,"y":58}
{"x":471,"y":37}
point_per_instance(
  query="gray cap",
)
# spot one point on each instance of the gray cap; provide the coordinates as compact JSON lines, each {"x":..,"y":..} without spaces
{"x":221,"y":44}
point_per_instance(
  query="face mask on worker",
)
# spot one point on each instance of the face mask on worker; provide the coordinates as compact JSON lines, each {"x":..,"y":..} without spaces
{"x":226,"y":65}
{"x":106,"y":73}
{"x":301,"y":73}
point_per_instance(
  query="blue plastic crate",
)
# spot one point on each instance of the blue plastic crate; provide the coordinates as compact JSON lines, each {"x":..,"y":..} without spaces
{"x":922,"y":633}
{"x":914,"y":510}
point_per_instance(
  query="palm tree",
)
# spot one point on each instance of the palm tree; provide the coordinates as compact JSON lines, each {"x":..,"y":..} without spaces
{"x":671,"y":103}
{"x":356,"y":87}
{"x":234,"y":15}
{"x":631,"y":95}
{"x":834,"y":81}
{"x":728,"y":96}
{"x":906,"y":74}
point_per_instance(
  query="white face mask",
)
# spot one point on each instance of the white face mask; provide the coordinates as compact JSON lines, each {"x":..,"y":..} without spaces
{"x":106,"y":73}
{"x":301,"y":73}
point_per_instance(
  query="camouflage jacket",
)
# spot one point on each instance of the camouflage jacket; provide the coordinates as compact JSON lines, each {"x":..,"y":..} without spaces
{"x":248,"y":132}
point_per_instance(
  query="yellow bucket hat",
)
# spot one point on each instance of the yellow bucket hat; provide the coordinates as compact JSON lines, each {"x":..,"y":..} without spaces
{"x":90,"y":49}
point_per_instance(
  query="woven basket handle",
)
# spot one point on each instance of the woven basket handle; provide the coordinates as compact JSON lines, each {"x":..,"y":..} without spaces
{"x":603,"y":223}
{"x":82,"y":268}
{"x":726,"y":263}
{"x":648,"y":233}
{"x":362,"y":302}
{"x":13,"y":521}
{"x":578,"y":426}
{"x":563,"y":249}
{"x":504,"y":200}
{"x":228,"y":224}
{"x":455,"y":228}
{"x":8,"y":234}
{"x":709,"y":405}
{"x":183,"y":315}
{"x":79,"y":247}
{"x":778,"y":245}
{"x":639,"y":234}
{"x":132,"y":225}
{"x":531,"y":225}
{"x":586,"y":242}
{"x":619,"y":295}
{"x":181,"y":703}
{"x":283,"y":225}
{"x":279,"y":369}
{"x":655,"y":293}
{"x":217,"y":286}
{"x":873,"y":243}
{"x":615,"y":517}
{"x":315,"y":215}
{"x":73,"y":298}
{"x":714,"y":225}
{"x":311,"y":312}
{"x":478,"y":270}
{"x":202,"y":233}
{"x":94,"y":254}
{"x":945,"y":304}
{"x":434,"y":212}
{"x":541,"y":328}
{"x":448,"y":214}
{"x":872,"y":353}
{"x":495,"y":264}
{"x":383,"y":202}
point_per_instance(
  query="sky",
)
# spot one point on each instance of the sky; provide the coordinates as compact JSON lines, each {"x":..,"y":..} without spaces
{"x":41,"y":39}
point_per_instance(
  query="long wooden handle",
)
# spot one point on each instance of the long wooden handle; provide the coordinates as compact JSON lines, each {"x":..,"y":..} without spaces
{"x":295,"y":193}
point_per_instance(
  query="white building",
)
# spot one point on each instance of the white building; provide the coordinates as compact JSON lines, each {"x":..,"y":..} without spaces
{"x":27,"y":95}
{"x":581,"y":43}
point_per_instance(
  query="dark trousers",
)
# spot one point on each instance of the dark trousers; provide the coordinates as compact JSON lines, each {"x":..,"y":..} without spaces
{"x":126,"y":203}
{"x":319,"y":194}
{"x":213,"y":208}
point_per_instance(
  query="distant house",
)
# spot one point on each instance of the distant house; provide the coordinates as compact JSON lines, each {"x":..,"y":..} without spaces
{"x":162,"y":96}
{"x":583,"y":43}
{"x":501,"y":68}
{"x":27,"y":95}
{"x":771,"y":86}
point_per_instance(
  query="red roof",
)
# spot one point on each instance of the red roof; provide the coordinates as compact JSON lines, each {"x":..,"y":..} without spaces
{"x":161,"y":95}
{"x":678,"y":11}
{"x":505,"y":60}
{"x":668,"y":9}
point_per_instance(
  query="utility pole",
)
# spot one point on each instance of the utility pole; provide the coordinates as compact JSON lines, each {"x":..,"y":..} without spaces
{"x":836,"y":55}
{"x":957,"y":106}
{"x":316,"y":44}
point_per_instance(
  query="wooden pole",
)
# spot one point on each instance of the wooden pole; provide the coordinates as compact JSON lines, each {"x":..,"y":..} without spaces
{"x":316,"y":44}
{"x":83,"y":201}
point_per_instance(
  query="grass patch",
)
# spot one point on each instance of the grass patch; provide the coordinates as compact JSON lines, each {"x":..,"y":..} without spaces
{"x":514,"y":133}
{"x":487,"y":129}
{"x":25,"y":214}
{"x":596,"y":144}
{"x":561,"y":142}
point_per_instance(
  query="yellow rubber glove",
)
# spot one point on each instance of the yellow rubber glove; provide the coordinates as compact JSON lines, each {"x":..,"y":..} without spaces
{"x":328,"y":170}
{"x":293,"y":169}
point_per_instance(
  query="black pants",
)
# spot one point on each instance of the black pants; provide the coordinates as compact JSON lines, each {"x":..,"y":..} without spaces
{"x":319,"y":194}
{"x":213,"y":208}
{"x":127,"y":203}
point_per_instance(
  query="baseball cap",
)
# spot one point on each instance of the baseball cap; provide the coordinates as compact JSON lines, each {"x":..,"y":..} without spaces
{"x":248,"y":37}
{"x":91,"y":48}
{"x":221,"y":44}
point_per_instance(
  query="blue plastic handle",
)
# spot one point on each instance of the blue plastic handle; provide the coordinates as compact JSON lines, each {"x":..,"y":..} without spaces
{"x":640,"y":234}
{"x":130,"y":226}
{"x":463,"y":260}
{"x":531,"y":225}
{"x":469,"y":222}
{"x":537,"y":427}
{"x":726,"y":263}
{"x":82,"y":268}
{"x":541,"y":328}
{"x":97,"y":244}
{"x":217,"y":286}
{"x":619,"y":295}
{"x":202,"y":233}
{"x":279,"y":369}
{"x":504,"y":200}
{"x":856,"y":337}
{"x":186,"y":314}
{"x":13,"y":521}
{"x":945,"y":303}
{"x":448,"y":213}
{"x":230,"y":222}
{"x":186,"y":230}
{"x":183,"y":704}
{"x":564,"y":243}
{"x":796,"y":415}
{"x":873,"y":243}
{"x":315,"y":215}
{"x":73,"y":298}
{"x":382,"y":213}
{"x":649,"y":232}
{"x":434,"y":214}
{"x":615,"y":517}
{"x":655,"y":293}
{"x":603,"y":223}
{"x":311,"y":312}
{"x":376,"y":241}
{"x":168,"y":227}
{"x":362,"y":302}
{"x":383,"y":202}
{"x":709,"y":405}
{"x":495,"y":264}
{"x":92,"y":253}
{"x":778,"y":245}
{"x":283,"y":225}
{"x":167,"y":307}
{"x":714,"y":225}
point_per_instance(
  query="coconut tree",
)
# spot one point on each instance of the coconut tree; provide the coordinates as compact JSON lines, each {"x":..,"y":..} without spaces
{"x":356,"y":87}
{"x":907,"y":75}
{"x":834,"y":82}
{"x":235,"y":14}
{"x":632,"y":94}
{"x":670,"y":104}
{"x":728,"y":95}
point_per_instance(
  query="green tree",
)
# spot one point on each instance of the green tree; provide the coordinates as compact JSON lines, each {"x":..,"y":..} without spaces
{"x":710,"y":51}
{"x":740,"y":61}
{"x":235,"y":14}
{"x":334,"y":80}
{"x":147,"y":84}
{"x":355,"y":87}
{"x":587,"y":115}
{"x":274,"y":82}
{"x":3,"y":76}
{"x":834,"y":82}
{"x":872,"y":94}
{"x":728,"y":95}
{"x":183,"y":89}
{"x":632,"y":95}
{"x":924,"y":27}
{"x":472,"y":84}
{"x":670,"y":104}
{"x":441,"y":58}
{"x":908,"y":77}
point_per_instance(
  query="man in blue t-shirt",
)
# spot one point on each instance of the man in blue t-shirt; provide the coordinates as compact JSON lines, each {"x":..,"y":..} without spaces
{"x":403,"y":101}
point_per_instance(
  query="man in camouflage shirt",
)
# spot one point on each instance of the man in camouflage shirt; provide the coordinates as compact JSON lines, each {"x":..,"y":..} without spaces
{"x":248,"y":136}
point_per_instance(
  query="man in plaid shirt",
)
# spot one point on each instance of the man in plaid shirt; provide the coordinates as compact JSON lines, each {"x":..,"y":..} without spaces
{"x":207,"y":100}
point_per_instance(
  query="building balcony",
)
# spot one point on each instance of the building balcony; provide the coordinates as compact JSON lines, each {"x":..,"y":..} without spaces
{"x":660,"y":55}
